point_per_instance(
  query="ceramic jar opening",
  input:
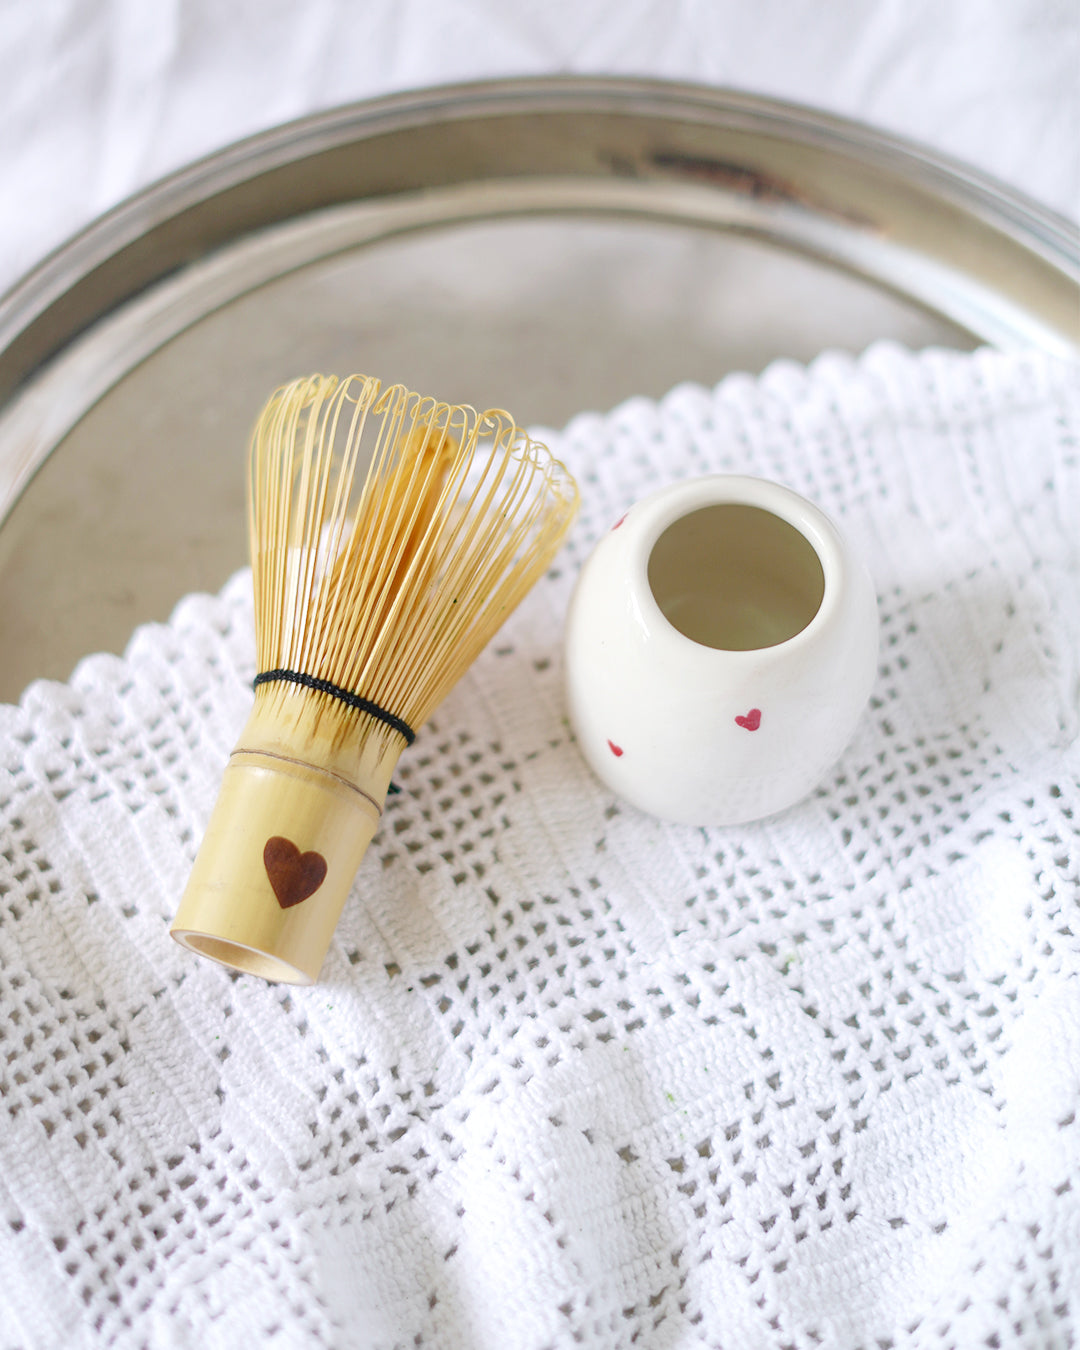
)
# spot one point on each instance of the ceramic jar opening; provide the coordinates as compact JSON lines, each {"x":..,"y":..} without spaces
{"x":721,"y":643}
{"x":735,"y":577}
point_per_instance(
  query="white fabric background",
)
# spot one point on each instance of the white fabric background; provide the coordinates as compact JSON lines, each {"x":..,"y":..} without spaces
{"x":573,"y":1077}
{"x":101,"y":97}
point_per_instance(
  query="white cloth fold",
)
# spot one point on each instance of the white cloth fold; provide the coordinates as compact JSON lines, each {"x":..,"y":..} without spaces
{"x":574,"y":1076}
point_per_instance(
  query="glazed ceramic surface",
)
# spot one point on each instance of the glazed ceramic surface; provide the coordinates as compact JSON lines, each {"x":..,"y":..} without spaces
{"x":721,"y":644}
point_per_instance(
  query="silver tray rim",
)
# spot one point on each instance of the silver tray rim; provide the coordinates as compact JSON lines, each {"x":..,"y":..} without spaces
{"x":1017,"y":217}
{"x":938,"y":235}
{"x":933,"y":231}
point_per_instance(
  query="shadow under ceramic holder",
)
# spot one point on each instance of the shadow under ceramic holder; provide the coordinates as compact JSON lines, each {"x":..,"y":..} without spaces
{"x":721,"y":644}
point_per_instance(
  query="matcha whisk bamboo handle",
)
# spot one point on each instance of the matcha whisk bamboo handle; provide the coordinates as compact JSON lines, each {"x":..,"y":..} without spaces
{"x":390,"y":537}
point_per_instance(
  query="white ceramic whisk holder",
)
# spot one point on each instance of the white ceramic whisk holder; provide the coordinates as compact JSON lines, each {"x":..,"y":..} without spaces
{"x":721,"y":644}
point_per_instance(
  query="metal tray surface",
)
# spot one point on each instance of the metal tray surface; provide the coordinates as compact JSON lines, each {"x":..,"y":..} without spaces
{"x":549,"y":245}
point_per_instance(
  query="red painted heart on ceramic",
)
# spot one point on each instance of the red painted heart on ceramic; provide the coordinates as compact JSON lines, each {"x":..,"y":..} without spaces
{"x":751,"y":721}
{"x":293,"y":875}
{"x":616,"y":750}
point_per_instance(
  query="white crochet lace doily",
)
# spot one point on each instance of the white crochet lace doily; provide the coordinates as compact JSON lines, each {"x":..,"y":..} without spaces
{"x":574,"y":1077}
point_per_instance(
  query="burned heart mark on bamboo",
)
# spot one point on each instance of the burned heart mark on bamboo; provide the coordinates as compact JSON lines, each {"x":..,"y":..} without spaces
{"x":293,"y":875}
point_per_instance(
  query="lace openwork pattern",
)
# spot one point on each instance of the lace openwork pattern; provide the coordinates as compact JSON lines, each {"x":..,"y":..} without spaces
{"x":574,"y":1077}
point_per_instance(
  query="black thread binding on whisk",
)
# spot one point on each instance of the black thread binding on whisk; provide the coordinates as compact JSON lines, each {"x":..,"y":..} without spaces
{"x":345,"y":696}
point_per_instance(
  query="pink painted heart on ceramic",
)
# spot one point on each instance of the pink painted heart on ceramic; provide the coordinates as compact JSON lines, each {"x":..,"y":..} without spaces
{"x":751,"y":721}
{"x":616,"y":750}
{"x":293,"y":875}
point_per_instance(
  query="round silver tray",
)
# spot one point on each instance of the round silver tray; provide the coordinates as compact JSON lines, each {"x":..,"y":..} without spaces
{"x":549,"y":245}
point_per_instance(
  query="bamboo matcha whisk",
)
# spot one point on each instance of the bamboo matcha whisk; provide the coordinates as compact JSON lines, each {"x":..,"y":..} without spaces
{"x":390,"y":537}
